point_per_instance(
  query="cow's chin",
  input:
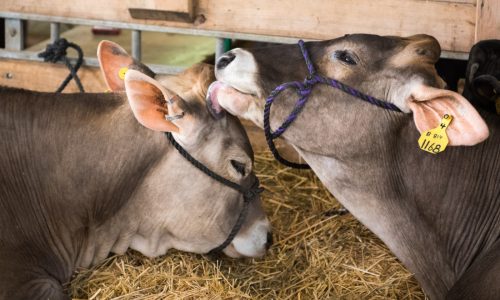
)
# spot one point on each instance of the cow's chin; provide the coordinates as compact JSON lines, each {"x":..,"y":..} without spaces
{"x":245,"y":105}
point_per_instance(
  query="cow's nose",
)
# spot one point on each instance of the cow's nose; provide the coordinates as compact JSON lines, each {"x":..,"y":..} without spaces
{"x":269,"y":241}
{"x":225,"y":60}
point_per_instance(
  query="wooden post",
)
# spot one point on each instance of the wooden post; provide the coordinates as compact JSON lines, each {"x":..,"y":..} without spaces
{"x":487,"y":20}
{"x":14,"y":34}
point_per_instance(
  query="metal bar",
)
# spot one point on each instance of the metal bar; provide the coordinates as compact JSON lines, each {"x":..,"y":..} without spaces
{"x":14,"y":34}
{"x":187,"y":31}
{"x":455,"y":55}
{"x":136,"y":44}
{"x":55,"y":31}
{"x":88,"y":61}
{"x":157,"y":28}
{"x":219,"y":47}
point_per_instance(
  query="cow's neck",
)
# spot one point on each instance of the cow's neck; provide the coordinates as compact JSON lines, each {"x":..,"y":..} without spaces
{"x":113,"y":165}
{"x":372,"y":179}
{"x":143,"y":222}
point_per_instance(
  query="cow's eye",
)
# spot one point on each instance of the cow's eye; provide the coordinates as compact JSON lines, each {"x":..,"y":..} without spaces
{"x":239,"y":167}
{"x":345,"y":57}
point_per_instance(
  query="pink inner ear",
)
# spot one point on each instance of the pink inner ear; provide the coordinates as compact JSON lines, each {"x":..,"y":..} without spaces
{"x":429,"y":105}
{"x":112,"y":58}
{"x":144,"y":97}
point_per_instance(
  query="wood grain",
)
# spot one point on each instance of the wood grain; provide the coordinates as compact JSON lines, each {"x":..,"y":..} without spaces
{"x":488,"y":20}
{"x":452,"y":23}
{"x":45,"y":77}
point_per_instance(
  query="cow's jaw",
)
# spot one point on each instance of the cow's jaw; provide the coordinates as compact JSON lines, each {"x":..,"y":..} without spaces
{"x":247,"y":106}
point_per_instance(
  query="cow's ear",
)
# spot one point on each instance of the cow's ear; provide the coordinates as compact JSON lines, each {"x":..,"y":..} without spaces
{"x":114,"y":62}
{"x":149,"y":101}
{"x":429,"y":105}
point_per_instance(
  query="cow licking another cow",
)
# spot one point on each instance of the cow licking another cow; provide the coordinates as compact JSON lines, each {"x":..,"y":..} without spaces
{"x":438,"y":213}
{"x":80,"y":177}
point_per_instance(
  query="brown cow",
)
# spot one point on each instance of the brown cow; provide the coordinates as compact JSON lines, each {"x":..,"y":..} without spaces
{"x":440,"y":214}
{"x":80,"y":178}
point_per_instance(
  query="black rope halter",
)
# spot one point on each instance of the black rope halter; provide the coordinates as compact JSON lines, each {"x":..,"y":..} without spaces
{"x":249,"y":192}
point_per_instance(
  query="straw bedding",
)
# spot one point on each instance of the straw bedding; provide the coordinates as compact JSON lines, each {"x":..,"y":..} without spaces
{"x":317,"y":254}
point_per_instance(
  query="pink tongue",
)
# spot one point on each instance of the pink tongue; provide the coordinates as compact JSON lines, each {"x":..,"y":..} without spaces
{"x":212,"y":95}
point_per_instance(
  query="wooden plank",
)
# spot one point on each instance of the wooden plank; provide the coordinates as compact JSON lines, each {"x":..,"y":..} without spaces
{"x":473,"y":2}
{"x":172,"y":10}
{"x":488,"y":20}
{"x":453,"y":24}
{"x":45,"y":77}
{"x":181,"y":6}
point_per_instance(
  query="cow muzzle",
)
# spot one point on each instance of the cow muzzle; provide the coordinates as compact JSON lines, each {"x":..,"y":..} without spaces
{"x":252,"y":241}
{"x":238,"y":69}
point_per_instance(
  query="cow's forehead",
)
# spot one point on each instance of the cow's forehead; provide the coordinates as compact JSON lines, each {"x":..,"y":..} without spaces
{"x":191,"y":84}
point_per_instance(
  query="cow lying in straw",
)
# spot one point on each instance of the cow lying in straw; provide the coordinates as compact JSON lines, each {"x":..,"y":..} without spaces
{"x":439,"y":213}
{"x":80,"y":177}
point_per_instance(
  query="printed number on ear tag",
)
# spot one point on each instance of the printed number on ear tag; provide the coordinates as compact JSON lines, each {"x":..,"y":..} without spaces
{"x":435,"y":140}
{"x":122,"y":73}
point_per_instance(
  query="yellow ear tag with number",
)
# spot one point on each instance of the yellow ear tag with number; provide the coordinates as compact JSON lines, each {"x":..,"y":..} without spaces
{"x":122,"y":72}
{"x":435,"y":140}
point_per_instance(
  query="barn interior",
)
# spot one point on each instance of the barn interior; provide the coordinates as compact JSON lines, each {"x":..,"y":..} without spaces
{"x":320,"y":252}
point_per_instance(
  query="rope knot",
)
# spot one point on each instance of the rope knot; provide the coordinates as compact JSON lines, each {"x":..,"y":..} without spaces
{"x":253,"y":191}
{"x":55,"y":52}
{"x":305,"y":91}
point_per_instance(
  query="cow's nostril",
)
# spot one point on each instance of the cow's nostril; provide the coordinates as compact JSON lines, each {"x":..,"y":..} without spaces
{"x":269,"y":240}
{"x":225,"y":60}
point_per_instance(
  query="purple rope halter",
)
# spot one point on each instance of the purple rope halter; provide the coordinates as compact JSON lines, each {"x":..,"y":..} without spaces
{"x":304,"y":90}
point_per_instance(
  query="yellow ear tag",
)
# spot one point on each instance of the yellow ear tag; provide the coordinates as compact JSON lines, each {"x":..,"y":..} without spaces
{"x":435,"y":140}
{"x":122,"y":72}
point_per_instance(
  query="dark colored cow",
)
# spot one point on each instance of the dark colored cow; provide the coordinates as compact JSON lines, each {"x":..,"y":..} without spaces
{"x":80,"y":178}
{"x":438,"y":213}
{"x":482,"y":79}
{"x":451,"y":70}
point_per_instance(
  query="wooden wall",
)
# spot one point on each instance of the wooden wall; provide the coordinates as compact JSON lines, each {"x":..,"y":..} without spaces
{"x":457,"y":24}
{"x":45,"y":77}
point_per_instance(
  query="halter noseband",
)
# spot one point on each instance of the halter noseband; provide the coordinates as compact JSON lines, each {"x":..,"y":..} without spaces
{"x":304,"y":90}
{"x":249,"y":192}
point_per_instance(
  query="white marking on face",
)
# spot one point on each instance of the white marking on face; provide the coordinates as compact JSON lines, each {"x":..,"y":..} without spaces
{"x":240,"y":95}
{"x":252,"y":242}
{"x":241,"y":73}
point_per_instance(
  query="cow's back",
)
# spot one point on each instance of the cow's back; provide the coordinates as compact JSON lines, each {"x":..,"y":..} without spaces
{"x":69,"y":162}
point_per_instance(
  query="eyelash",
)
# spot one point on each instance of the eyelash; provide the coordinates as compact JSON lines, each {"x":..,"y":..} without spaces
{"x":345,"y":57}
{"x":239,"y":167}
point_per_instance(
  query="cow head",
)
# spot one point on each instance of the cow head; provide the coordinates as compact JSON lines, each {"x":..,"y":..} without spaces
{"x":482,"y":79}
{"x":191,"y":211}
{"x":399,"y":70}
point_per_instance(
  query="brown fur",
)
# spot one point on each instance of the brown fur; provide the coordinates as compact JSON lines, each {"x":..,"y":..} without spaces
{"x":440,"y":214}
{"x":80,"y":177}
